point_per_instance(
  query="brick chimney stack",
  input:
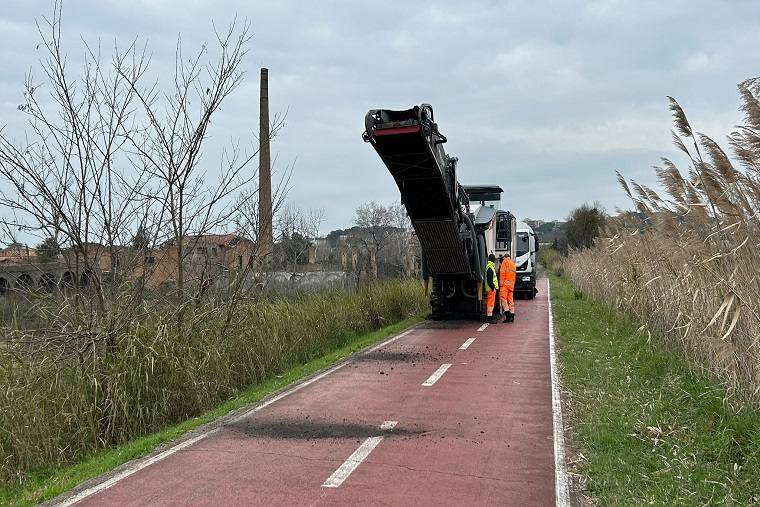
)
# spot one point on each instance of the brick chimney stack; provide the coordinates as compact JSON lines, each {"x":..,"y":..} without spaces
{"x":266,"y":243}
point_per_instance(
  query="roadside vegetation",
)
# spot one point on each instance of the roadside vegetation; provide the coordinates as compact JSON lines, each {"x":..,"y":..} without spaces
{"x":55,"y":411}
{"x":665,"y":404}
{"x":160,"y":312}
{"x":647,"y":428}
{"x":662,"y":379}
{"x":685,"y":265}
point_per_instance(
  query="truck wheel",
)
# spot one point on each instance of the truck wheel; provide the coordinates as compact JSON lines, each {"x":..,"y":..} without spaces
{"x":531,"y":293}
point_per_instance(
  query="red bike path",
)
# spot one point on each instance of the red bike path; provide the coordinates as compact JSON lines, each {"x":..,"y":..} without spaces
{"x":392,"y":425}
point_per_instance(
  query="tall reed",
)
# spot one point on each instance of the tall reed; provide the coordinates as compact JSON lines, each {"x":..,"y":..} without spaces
{"x":685,"y":265}
{"x":56,"y":407}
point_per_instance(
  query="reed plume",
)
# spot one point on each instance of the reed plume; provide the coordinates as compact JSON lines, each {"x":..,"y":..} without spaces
{"x":684,"y":263}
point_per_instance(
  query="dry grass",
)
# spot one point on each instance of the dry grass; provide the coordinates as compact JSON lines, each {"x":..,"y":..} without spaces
{"x":56,"y":408}
{"x":685,"y":264}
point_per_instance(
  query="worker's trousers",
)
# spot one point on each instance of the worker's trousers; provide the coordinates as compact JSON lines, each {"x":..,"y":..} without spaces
{"x":507,"y":298}
{"x":490,"y":301}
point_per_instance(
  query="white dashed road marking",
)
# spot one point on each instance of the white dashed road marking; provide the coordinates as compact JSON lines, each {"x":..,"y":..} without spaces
{"x":139,"y":465}
{"x":435,"y":376}
{"x":467,"y":344}
{"x":359,"y":455}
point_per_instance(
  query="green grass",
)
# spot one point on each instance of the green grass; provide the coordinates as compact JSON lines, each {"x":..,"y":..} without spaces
{"x":646,"y":428}
{"x":57,"y":409}
{"x":48,"y":483}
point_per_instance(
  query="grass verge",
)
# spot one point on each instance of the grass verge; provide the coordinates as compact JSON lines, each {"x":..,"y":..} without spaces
{"x":647,"y":428}
{"x":45,"y":484}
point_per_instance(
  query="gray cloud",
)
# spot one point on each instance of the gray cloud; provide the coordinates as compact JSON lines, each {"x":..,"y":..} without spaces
{"x":547,"y":98}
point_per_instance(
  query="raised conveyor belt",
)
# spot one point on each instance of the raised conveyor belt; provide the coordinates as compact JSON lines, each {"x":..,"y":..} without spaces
{"x":409,"y":144}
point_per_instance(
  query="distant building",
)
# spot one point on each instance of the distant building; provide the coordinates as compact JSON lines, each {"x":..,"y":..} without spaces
{"x":208,"y":260}
{"x":17,"y":253}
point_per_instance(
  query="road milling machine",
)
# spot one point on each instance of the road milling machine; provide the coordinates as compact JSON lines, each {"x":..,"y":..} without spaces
{"x":457,"y":226}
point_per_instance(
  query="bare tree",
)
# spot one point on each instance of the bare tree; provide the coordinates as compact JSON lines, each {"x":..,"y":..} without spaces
{"x":114,"y":160}
{"x":297,"y":231}
{"x":405,"y":245}
{"x":378,"y":227}
{"x":169,"y":149}
{"x":246,"y":216}
{"x":65,"y":178}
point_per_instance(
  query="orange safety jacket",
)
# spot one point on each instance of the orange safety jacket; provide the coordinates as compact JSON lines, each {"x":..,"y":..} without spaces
{"x":507,"y":272}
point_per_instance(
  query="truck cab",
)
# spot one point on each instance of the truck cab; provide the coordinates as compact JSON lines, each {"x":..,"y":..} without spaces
{"x":499,"y":235}
{"x":526,"y":247}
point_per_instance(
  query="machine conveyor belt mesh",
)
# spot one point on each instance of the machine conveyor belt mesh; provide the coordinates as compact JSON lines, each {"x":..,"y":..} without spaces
{"x":426,"y":190}
{"x":440,"y":242}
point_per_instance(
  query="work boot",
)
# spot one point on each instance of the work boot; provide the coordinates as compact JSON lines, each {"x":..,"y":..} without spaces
{"x":511,"y":316}
{"x":493,"y":319}
{"x":506,"y":318}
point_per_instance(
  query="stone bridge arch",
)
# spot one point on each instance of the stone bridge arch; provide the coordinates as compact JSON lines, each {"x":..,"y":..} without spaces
{"x":25,"y":281}
{"x":48,"y":282}
{"x":46,"y":278}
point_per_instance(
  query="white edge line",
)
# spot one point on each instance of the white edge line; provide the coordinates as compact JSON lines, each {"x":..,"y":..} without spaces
{"x":467,"y":344}
{"x":359,"y":455}
{"x":438,"y":374}
{"x":560,"y":474}
{"x":126,"y":473}
{"x":184,"y":445}
{"x":187,"y":443}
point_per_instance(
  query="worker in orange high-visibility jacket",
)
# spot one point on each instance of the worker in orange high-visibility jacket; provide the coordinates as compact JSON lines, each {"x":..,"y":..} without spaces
{"x":491,"y":284}
{"x":507,"y":275}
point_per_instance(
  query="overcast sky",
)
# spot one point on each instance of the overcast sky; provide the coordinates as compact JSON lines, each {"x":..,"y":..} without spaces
{"x":545,"y":98}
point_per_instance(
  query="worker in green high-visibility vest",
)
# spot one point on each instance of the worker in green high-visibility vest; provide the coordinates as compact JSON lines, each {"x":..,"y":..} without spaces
{"x":491,"y":285}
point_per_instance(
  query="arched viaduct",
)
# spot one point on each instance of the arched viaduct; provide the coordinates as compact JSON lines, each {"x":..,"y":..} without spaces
{"x":44,"y":277}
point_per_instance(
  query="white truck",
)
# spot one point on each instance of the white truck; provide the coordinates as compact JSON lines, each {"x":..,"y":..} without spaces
{"x":526,"y":246}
